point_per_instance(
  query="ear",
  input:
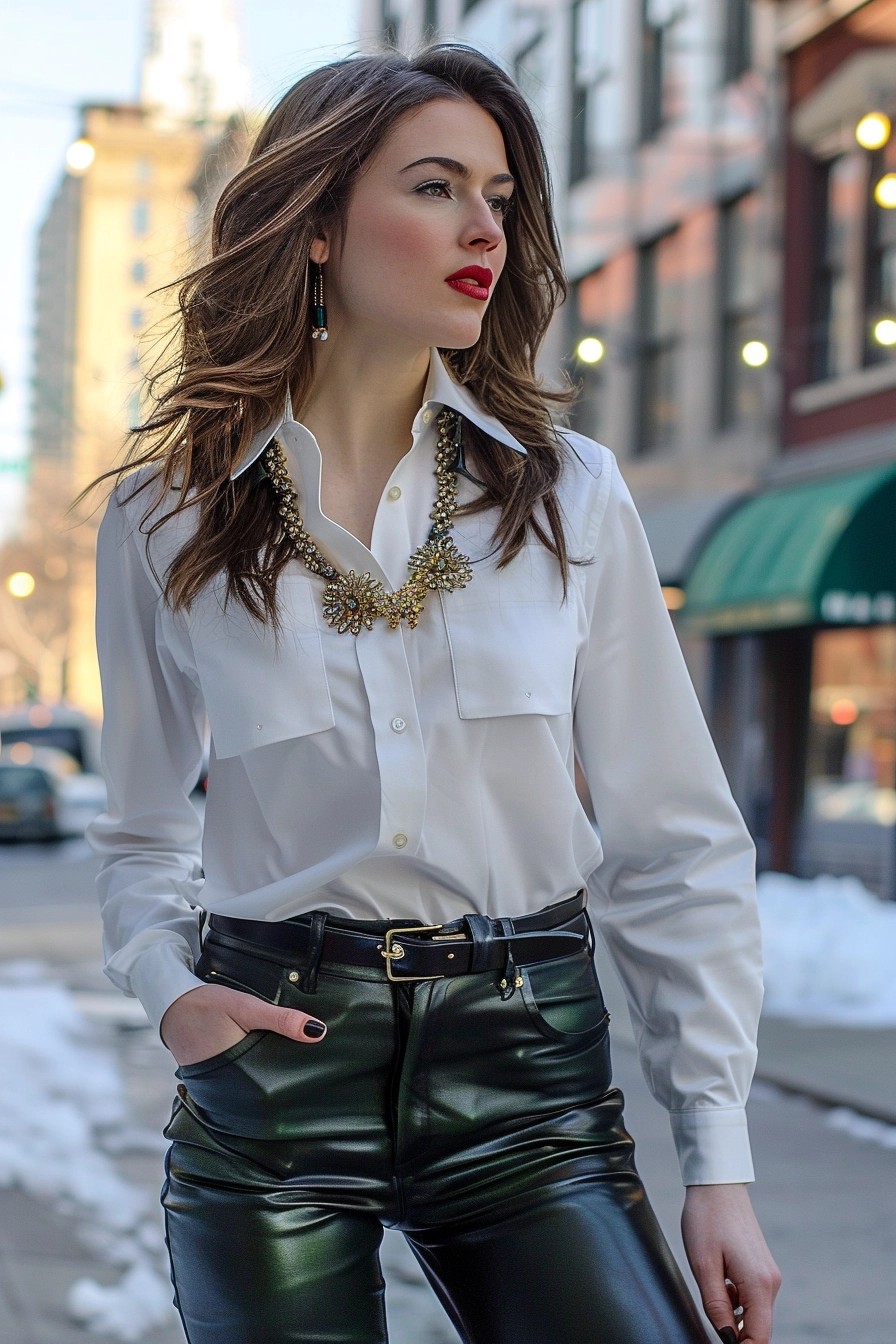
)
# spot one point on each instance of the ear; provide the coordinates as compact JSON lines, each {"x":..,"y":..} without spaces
{"x":319,"y":251}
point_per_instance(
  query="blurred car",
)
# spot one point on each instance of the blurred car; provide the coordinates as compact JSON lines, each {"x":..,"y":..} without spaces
{"x":59,"y":727}
{"x":28,"y":802}
{"x":44,"y":794}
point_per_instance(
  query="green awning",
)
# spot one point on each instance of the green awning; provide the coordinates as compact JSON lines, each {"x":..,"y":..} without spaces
{"x":822,"y":552}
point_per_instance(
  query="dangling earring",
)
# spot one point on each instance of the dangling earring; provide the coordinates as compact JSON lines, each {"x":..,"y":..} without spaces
{"x":318,"y":307}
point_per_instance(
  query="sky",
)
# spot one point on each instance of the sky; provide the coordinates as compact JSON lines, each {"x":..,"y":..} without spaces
{"x":54,"y":56}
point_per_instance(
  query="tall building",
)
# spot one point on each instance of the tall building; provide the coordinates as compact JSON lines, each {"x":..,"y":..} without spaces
{"x":120,"y":224}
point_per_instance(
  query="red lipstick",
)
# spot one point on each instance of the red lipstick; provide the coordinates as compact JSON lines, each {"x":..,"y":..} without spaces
{"x":472,"y":280}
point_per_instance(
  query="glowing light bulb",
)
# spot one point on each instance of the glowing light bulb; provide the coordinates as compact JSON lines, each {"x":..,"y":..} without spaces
{"x":590,"y":350}
{"x":873,"y":130}
{"x":885,"y":331}
{"x":755,"y":353}
{"x":885,"y":191}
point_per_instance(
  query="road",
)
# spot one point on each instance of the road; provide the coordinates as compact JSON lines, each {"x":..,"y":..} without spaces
{"x":825,"y":1198}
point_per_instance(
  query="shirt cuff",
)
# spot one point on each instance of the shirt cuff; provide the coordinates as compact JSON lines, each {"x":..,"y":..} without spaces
{"x":160,"y":976}
{"x":713,"y":1145}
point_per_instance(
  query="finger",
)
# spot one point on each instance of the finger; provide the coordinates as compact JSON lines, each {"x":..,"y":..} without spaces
{"x":757,"y":1305}
{"x":291,"y":1022}
{"x":716,"y":1302}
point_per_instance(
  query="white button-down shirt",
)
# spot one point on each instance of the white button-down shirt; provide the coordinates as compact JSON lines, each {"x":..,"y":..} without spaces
{"x":429,"y":773}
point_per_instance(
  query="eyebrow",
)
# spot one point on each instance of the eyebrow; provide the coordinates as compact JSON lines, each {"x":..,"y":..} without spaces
{"x":453,"y":166}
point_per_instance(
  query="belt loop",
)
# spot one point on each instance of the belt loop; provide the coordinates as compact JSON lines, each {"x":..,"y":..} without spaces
{"x":315,"y":949}
{"x":203,"y":920}
{"x":482,"y":935}
{"x":510,"y":978}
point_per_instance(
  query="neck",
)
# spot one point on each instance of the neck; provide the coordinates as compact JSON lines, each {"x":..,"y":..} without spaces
{"x":363,"y":400}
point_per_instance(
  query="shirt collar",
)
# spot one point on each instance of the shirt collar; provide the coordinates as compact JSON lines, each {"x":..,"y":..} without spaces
{"x":441,"y":390}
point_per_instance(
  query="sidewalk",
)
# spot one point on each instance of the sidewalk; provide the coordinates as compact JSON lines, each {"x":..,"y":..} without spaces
{"x":836,"y":1066}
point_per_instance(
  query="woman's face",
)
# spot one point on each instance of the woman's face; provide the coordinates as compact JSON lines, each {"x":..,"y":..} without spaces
{"x":423,"y":245}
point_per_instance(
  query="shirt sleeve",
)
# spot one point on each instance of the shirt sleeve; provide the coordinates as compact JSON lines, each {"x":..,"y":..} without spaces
{"x":675,"y":890}
{"x":149,"y":838}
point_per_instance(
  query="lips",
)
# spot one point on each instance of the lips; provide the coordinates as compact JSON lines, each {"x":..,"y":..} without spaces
{"x":472,"y":280}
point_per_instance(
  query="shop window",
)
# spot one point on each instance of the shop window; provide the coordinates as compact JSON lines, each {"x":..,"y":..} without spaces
{"x":737,"y":39}
{"x":589,"y":114}
{"x":143,"y":169}
{"x":850,"y":801}
{"x":739,"y":284}
{"x":659,"y":322}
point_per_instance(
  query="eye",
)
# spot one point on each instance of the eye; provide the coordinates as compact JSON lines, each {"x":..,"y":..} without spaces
{"x":438,"y":187}
{"x":501,"y":204}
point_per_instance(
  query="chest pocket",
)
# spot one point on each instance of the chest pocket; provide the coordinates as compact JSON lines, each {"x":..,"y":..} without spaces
{"x":261,"y":686}
{"x":513,"y":640}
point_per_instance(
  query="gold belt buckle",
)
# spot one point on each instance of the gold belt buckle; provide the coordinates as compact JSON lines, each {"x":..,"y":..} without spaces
{"x":393,"y":951}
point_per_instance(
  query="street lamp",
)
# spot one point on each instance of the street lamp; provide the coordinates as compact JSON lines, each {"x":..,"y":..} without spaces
{"x":20,"y":584}
{"x":79,"y":156}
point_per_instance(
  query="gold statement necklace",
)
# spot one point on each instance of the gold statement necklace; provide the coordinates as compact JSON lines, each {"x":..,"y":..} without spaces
{"x":352,"y":600}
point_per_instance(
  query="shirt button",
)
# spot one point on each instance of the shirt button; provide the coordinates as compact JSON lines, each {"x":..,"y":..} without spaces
{"x":427,"y":416}
{"x":398,"y":725}
{"x":395,"y":492}
{"x":399,"y":840}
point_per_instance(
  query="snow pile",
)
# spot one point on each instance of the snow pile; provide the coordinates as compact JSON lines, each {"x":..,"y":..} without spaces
{"x":66,"y":1105}
{"x":829,"y":949}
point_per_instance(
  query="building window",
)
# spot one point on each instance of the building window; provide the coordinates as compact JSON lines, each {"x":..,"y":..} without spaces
{"x":836,"y":338}
{"x":143,"y":170}
{"x":881,"y":260}
{"x":430,"y":18}
{"x":588,"y":315}
{"x":591,"y":70}
{"x":138,"y":272}
{"x":529,"y":70}
{"x":740,"y":288}
{"x":134,"y":409}
{"x":660,"y":73}
{"x":736,"y":56}
{"x":659,"y":322}
{"x":140,"y":219}
{"x":136,"y":319}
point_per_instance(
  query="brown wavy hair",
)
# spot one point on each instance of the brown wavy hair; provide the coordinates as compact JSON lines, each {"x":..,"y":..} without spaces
{"x":243,"y":332}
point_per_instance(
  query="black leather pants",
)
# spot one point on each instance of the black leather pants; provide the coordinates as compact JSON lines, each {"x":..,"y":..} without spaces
{"x":486,"y":1130}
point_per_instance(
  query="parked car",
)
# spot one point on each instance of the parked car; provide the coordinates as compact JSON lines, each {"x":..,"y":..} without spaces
{"x":28,"y":802}
{"x":44,"y":794}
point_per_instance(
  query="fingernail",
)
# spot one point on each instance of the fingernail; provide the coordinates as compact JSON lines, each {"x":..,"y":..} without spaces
{"x":314,"y":1030}
{"x":727,"y":1335}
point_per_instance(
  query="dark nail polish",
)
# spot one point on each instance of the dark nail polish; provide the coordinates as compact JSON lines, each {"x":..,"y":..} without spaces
{"x":727,"y":1335}
{"x":314,"y":1030}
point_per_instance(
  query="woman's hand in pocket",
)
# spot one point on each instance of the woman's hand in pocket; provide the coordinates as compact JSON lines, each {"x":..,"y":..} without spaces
{"x":212,"y":1018}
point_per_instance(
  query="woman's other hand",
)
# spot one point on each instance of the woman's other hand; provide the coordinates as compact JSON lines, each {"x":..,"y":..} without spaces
{"x":731,"y":1262}
{"x":212,"y":1018}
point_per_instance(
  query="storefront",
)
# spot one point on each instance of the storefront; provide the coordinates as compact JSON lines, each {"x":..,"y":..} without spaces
{"x":796,"y":590}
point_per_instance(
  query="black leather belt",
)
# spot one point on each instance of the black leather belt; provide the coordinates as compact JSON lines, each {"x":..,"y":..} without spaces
{"x":425,"y":951}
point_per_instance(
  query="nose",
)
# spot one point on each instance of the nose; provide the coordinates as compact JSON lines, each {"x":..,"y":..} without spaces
{"x":483,"y":229}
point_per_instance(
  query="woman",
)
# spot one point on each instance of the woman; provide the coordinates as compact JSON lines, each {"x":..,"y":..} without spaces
{"x":408,"y":604}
